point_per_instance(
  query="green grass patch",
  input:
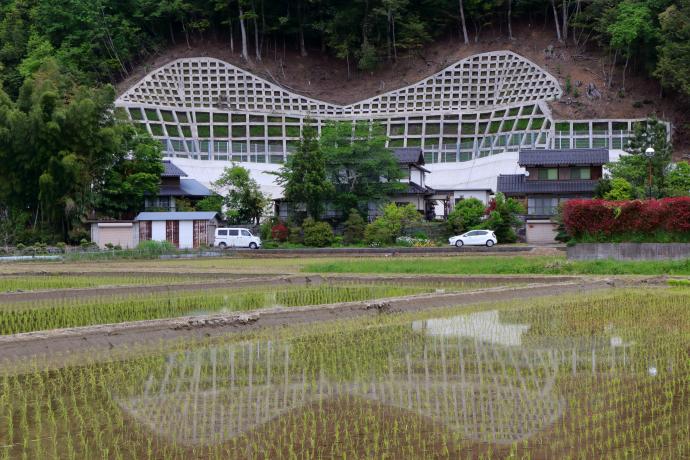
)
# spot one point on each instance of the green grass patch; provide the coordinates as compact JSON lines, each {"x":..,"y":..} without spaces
{"x":502,"y":265}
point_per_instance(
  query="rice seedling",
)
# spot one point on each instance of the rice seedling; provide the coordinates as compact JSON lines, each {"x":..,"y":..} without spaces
{"x":602,"y":376}
{"x":19,"y":317}
{"x":37,"y":282}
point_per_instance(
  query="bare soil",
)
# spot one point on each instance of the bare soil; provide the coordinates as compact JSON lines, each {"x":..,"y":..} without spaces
{"x":117,"y":337}
{"x":325,"y":77}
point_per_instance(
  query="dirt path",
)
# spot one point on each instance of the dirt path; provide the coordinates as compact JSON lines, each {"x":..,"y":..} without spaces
{"x":242,"y":282}
{"x":118,"y":337}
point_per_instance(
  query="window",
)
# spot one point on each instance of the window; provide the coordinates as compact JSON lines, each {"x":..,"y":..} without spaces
{"x":232,"y":233}
{"x":542,"y":206}
{"x":580,"y":173}
{"x":246,"y":233}
{"x":548,"y":174}
{"x":222,"y":233}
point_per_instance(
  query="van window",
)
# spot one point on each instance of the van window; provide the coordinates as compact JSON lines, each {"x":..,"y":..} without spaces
{"x":232,"y":232}
{"x":222,"y":233}
{"x":246,"y":233}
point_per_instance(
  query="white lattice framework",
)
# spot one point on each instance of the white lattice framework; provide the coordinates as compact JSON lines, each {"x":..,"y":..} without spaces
{"x":209,"y":109}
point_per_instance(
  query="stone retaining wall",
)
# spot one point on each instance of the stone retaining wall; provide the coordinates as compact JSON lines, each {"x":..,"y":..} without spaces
{"x":629,"y":251}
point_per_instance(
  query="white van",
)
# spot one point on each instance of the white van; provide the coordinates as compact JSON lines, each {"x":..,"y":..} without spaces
{"x":236,"y":238}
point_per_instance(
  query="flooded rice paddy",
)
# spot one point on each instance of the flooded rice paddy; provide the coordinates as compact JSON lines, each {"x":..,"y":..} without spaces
{"x":586,"y":377}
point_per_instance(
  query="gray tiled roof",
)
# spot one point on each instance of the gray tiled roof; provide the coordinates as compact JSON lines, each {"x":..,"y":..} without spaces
{"x":170,"y":170}
{"x":518,"y":183}
{"x":415,"y":189}
{"x":408,"y":155}
{"x":187,"y":187}
{"x":198,"y":215}
{"x":574,"y":157}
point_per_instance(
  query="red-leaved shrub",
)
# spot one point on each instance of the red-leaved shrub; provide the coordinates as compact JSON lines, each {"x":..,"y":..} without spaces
{"x":280,"y":232}
{"x":600,"y":217}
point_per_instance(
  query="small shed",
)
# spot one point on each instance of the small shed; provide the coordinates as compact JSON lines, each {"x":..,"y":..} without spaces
{"x":183,"y":229}
{"x":115,"y":232}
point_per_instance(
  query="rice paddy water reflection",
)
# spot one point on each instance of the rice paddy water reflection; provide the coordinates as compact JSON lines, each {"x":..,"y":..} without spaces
{"x":521,"y":381}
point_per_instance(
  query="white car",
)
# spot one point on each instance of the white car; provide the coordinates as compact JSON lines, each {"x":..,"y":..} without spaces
{"x":236,"y":238}
{"x":474,"y":238}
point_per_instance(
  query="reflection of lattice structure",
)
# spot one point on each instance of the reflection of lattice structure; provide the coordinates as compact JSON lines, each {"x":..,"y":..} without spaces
{"x":208,"y":109}
{"x":483,"y":392}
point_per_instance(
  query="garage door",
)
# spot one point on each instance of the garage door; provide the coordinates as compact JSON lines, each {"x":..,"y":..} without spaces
{"x":541,"y":232}
{"x":115,"y":235}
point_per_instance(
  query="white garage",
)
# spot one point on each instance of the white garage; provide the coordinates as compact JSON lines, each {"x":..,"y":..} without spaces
{"x":540,"y":231}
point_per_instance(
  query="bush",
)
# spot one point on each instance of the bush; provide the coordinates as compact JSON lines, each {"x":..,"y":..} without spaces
{"x":317,"y":234}
{"x":156,"y":247}
{"x":603,"y":220}
{"x":503,"y":218}
{"x":466,"y":215}
{"x":295,"y":235}
{"x":392,"y":224}
{"x":280,"y":232}
{"x":354,"y":228}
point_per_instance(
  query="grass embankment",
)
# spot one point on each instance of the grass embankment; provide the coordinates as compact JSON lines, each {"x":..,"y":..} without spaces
{"x":486,"y":265}
{"x":61,"y":313}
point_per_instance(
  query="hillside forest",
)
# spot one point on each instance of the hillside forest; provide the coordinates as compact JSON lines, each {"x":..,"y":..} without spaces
{"x":65,"y":153}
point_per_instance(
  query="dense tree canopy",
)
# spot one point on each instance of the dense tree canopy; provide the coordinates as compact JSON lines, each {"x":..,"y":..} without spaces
{"x":102,"y":40}
{"x":62,"y":150}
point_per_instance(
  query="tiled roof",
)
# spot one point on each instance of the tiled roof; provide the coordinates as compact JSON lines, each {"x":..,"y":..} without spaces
{"x":574,"y":157}
{"x":518,"y":183}
{"x":408,"y":155}
{"x":203,"y":215}
{"x":187,"y":187}
{"x":170,"y":170}
{"x":415,"y":189}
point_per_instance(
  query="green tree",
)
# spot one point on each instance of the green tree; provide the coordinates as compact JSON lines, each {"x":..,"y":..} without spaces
{"x":134,"y":173}
{"x":364,"y":172}
{"x":466,"y":214}
{"x":210,"y":203}
{"x":634,"y":167}
{"x":393,"y":223}
{"x":504,"y":218}
{"x":58,"y":146}
{"x":631,"y":28}
{"x":621,"y":190}
{"x":678,"y":180}
{"x":303,"y":177}
{"x":354,"y":228}
{"x":673,"y":67}
{"x":243,"y":198}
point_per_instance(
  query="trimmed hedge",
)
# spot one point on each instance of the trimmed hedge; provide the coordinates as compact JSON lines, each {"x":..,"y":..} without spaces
{"x":583,"y":218}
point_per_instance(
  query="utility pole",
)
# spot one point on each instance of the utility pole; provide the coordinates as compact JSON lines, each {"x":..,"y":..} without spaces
{"x":649,"y":153}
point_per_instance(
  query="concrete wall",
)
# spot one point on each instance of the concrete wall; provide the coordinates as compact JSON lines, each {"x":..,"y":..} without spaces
{"x":630,"y":251}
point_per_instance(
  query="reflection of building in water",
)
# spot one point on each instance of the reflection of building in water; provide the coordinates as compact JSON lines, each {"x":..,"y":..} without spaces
{"x":483,"y":326}
{"x":471,"y":382}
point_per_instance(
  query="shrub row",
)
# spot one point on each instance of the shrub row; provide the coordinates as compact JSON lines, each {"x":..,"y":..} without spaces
{"x":584,"y":218}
